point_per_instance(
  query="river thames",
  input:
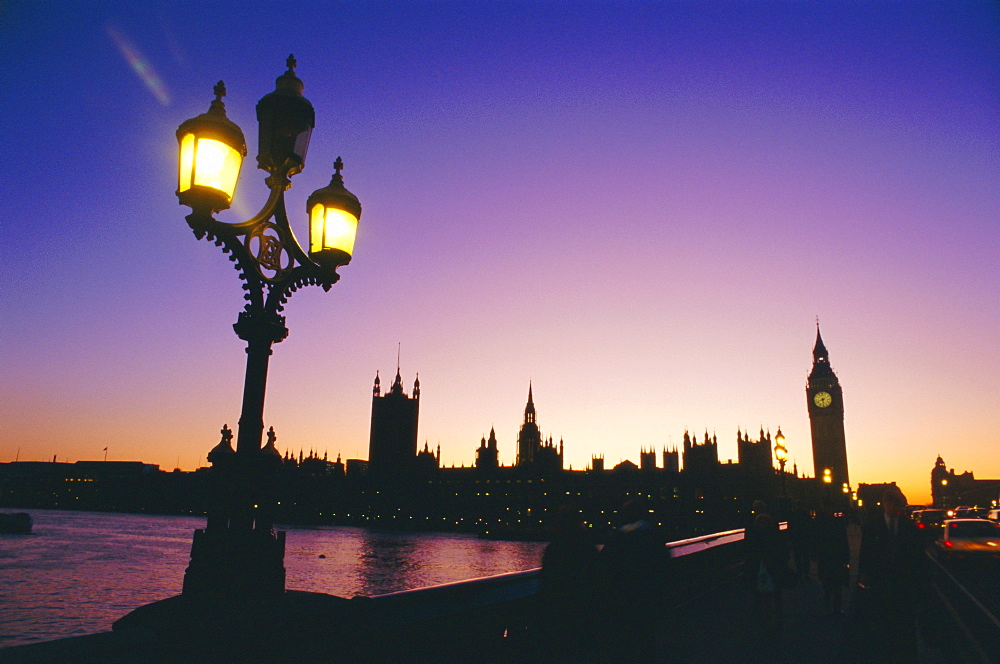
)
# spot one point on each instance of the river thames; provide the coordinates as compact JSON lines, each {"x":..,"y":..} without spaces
{"x":78,"y":572}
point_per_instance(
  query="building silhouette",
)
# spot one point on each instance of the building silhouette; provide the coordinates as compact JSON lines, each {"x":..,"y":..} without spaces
{"x":647,"y":460}
{"x":755,"y":456}
{"x":825,"y":400}
{"x":488,"y":455}
{"x":951,"y":489}
{"x":427,"y":461}
{"x":700,"y":458}
{"x":401,"y":486}
{"x":671,"y":460}
{"x":532,"y":452}
{"x":392,"y":447}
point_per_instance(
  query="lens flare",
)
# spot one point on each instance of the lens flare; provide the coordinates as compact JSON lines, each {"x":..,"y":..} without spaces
{"x":139,"y":64}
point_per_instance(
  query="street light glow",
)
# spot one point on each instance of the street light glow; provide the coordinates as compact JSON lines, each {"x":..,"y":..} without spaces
{"x":205,"y":162}
{"x":211,"y":148}
{"x":334,"y":229}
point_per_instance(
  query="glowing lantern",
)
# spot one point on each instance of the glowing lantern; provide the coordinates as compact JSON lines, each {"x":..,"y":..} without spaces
{"x":211,"y":154}
{"x":333,"y":221}
{"x":780,"y":451}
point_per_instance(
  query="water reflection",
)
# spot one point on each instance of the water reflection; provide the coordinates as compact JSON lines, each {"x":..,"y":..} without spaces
{"x":356,"y":561}
{"x":80,"y":571}
{"x":387,"y":562}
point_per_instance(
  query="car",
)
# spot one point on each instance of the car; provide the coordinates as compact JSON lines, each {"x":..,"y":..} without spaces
{"x":969,"y":513}
{"x":993,"y":515}
{"x":969,"y":538}
{"x":929,"y":522}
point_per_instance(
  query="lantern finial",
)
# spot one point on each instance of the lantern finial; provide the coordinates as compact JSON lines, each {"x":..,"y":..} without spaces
{"x":217,"y":108}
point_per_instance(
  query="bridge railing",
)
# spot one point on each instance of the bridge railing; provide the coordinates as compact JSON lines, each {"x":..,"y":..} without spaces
{"x":494,"y":614}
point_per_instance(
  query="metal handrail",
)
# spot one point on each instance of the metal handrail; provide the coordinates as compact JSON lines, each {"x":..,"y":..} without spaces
{"x":456,"y":596}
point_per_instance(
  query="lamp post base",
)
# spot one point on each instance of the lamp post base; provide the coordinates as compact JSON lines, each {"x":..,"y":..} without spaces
{"x":229,"y":563}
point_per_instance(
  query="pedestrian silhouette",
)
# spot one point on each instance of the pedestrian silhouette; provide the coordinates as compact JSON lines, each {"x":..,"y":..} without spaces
{"x":891,"y":586}
{"x":766,"y":570}
{"x":568,"y":594}
{"x":633,"y":570}
{"x":802,"y":537}
{"x":833,"y":556}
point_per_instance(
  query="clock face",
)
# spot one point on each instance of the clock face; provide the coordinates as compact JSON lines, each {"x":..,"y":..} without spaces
{"x":822,"y":399}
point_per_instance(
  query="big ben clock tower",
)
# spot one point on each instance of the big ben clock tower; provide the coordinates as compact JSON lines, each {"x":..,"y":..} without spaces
{"x":826,"y":419}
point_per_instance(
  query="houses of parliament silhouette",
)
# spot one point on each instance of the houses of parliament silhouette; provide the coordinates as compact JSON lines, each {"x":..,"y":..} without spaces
{"x":687,"y":490}
{"x":691,"y":490}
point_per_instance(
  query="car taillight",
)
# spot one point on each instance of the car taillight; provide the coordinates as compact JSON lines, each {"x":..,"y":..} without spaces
{"x":921,"y":526}
{"x":948,"y":543}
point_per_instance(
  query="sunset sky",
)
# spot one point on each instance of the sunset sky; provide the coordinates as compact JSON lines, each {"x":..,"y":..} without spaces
{"x":641,"y":208}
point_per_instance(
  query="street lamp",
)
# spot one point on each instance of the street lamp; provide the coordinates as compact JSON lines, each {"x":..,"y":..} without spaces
{"x":238,"y":551}
{"x":212,"y":148}
{"x":781,"y":454}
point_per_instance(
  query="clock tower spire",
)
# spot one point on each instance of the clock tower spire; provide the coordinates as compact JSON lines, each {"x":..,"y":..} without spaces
{"x":825,"y":400}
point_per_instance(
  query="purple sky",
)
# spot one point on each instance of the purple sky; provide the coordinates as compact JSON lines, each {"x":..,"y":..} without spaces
{"x":639,"y":207}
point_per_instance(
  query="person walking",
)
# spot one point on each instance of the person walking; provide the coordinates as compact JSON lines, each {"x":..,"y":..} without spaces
{"x":633,"y":570}
{"x":568,"y":594}
{"x":833,"y":557}
{"x":891,"y":586}
{"x":766,"y":570}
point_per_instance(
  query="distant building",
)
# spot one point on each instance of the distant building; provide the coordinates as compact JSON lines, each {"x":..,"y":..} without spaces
{"x":870,"y":496}
{"x":671,"y":461}
{"x":357,"y":467}
{"x":532,"y":452}
{"x":700,"y":458}
{"x":647,"y":460}
{"x":125,"y":486}
{"x":427,"y":462}
{"x":488,"y":456}
{"x":626,"y":466}
{"x":825,"y":400}
{"x":755,"y":456}
{"x":401,"y":486}
{"x":392,"y":447}
{"x":950,"y":489}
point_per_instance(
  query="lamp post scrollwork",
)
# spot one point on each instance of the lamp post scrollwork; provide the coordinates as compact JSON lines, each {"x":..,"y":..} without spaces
{"x":238,"y":551}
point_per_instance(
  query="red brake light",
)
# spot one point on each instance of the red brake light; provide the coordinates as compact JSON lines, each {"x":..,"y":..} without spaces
{"x":948,"y":543}
{"x":921,"y":525}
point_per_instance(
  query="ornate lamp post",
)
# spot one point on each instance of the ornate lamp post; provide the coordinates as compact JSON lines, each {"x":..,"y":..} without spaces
{"x":781,"y":454}
{"x":238,"y":552}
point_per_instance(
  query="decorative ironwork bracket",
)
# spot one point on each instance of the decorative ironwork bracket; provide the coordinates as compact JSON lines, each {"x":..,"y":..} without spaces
{"x":269,"y":260}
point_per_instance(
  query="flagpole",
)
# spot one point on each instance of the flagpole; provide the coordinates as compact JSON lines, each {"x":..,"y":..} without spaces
{"x":105,"y":455}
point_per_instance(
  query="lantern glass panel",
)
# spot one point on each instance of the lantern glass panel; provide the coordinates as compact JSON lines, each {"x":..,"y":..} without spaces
{"x":218,"y":166}
{"x":331,"y":228}
{"x":206,"y":162}
{"x":186,"y":163}
{"x":302,"y":144}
